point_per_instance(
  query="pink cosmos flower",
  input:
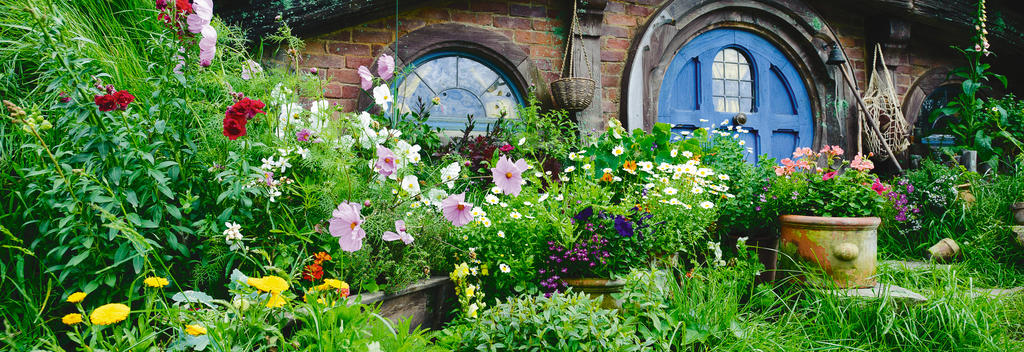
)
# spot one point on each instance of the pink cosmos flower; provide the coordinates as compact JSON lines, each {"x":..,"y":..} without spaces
{"x":346,"y":224}
{"x":862,"y":164}
{"x":456,"y":210}
{"x":400,"y":235}
{"x":386,"y":66}
{"x":878,"y":187}
{"x":365,"y":77}
{"x":508,"y":176}
{"x":829,"y":176}
{"x":303,"y":135}
{"x":385,"y":161}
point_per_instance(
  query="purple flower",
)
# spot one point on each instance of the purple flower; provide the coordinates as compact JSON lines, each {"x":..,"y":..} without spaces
{"x":585,"y":214}
{"x":508,"y":176}
{"x":365,"y":77}
{"x":456,"y":210}
{"x":303,"y":135}
{"x":386,"y":66}
{"x":623,"y":226}
{"x":346,"y":224}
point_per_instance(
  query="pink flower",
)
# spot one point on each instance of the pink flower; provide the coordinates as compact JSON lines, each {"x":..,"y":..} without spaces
{"x":862,"y":164}
{"x":878,"y":187}
{"x":303,"y":135}
{"x":802,"y":152}
{"x":386,"y":66}
{"x":385,"y":161}
{"x":508,"y":176}
{"x":787,"y":162}
{"x":837,"y":150}
{"x":506,"y":148}
{"x":779,"y":171}
{"x":346,"y":224}
{"x":803,"y":164}
{"x":365,"y":77}
{"x":828,"y":176}
{"x":456,"y":210}
{"x":400,"y":235}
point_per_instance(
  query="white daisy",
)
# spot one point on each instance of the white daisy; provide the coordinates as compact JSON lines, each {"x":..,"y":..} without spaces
{"x":501,"y":234}
{"x":515,"y":215}
{"x":671,"y":191}
{"x":491,"y":199}
{"x":570,"y":169}
{"x":687,"y":153}
{"x":618,"y":150}
{"x":504,"y":268}
{"x":707,"y":205}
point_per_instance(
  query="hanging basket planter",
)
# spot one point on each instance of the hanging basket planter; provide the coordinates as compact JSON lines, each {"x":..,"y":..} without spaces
{"x":571,"y":92}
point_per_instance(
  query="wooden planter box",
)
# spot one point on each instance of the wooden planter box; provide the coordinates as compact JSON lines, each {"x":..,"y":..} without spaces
{"x":427,"y":302}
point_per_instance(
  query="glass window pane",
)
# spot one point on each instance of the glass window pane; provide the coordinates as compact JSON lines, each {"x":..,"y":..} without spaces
{"x":730,"y":55}
{"x":732,"y":105}
{"x":464,"y":87}
{"x":732,"y":89}
{"x":731,"y":81}
{"x":745,"y":90}
{"x":745,"y":72}
{"x":746,"y":104}
{"x":474,"y":76}
{"x":717,"y":87}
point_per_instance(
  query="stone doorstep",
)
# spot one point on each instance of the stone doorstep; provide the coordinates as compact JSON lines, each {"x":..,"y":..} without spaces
{"x":880,"y":291}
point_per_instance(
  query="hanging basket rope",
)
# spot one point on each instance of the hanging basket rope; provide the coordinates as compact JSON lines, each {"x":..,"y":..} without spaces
{"x":882,"y":105}
{"x":570,"y":92}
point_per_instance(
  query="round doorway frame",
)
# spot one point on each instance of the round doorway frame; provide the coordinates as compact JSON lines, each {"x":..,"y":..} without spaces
{"x":793,"y":27}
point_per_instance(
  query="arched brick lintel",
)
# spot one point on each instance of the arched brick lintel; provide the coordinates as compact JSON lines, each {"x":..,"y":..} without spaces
{"x":496,"y":48}
{"x":796,"y":29}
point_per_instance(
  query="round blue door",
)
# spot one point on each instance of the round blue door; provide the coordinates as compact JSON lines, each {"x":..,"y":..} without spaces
{"x":730,"y":75}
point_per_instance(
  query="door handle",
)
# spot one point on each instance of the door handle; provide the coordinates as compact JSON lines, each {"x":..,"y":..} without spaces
{"x":739,"y":119}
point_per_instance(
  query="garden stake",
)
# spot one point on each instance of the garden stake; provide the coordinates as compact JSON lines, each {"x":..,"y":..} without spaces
{"x":871,"y":123}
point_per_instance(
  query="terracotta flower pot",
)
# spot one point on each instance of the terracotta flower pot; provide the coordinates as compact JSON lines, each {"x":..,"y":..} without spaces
{"x":1018,"y":212}
{"x":945,"y":251}
{"x":598,"y":288}
{"x":845,"y":249}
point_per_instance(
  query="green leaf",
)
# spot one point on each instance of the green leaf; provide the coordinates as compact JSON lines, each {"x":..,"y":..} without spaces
{"x":78,"y":258}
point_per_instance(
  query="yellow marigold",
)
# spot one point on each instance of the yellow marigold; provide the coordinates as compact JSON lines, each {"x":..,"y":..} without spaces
{"x":77,"y":297}
{"x":331,"y":284}
{"x":72,"y":319}
{"x":195,"y":330}
{"x":275,"y":301}
{"x":272,"y":284}
{"x":109,"y":314}
{"x":156,"y":281}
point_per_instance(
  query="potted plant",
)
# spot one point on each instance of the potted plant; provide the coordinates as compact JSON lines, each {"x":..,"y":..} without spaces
{"x":828,"y":211}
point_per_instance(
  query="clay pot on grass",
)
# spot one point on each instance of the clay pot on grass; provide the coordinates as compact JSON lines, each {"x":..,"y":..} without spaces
{"x":845,"y":249}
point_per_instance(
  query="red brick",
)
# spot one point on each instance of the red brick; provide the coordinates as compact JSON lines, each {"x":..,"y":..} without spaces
{"x":527,"y":11}
{"x":318,"y":60}
{"x":483,"y":19}
{"x":615,"y":31}
{"x":372,"y":36}
{"x":551,"y":76}
{"x":533,"y":37}
{"x":435,"y":14}
{"x":487,"y":6}
{"x":344,"y":35}
{"x":610,"y":81}
{"x":613,"y":56}
{"x":343,"y":75}
{"x":356,"y":61}
{"x":545,"y":25}
{"x":332,"y":90}
{"x":615,"y":7}
{"x":545,"y":51}
{"x":348,"y":49}
{"x":620,"y":20}
{"x":636,"y":10}
{"x":350,"y":91}
{"x":347,"y":105}
{"x":543,"y":64}
{"x":512,"y":22}
{"x":406,"y":25}
{"x":616,"y":44}
{"x":610,"y":94}
{"x":609,"y":106}
{"x":610,"y":68}
{"x":315,"y":47}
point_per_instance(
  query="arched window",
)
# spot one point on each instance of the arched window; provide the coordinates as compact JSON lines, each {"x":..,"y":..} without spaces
{"x":937,"y":99}
{"x":731,"y":82}
{"x":463,"y":85}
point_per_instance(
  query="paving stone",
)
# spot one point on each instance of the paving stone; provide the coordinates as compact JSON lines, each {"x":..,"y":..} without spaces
{"x":880,"y":291}
{"x":912,"y":265}
{"x":996,"y":292}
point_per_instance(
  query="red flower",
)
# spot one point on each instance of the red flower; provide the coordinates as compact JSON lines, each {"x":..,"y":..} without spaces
{"x":233,"y":127}
{"x":312,"y":272}
{"x":506,"y":148}
{"x":878,"y":187}
{"x":123,"y":98}
{"x":828,"y":176}
{"x":105,"y":102}
{"x":183,"y":6}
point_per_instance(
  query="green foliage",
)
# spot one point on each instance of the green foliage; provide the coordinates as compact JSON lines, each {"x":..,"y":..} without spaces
{"x":562,"y":322}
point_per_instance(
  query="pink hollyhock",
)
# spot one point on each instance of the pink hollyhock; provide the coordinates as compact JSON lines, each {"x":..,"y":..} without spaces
{"x":346,"y":224}
{"x":456,"y":210}
{"x":386,"y":66}
{"x":829,"y":176}
{"x":385,"y":161}
{"x":508,"y":176}
{"x":365,"y":77}
{"x":400,"y":235}
{"x":878,"y":187}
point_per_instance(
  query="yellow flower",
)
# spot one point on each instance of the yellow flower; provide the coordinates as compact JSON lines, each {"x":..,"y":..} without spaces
{"x":71,"y":319}
{"x":109,"y":314}
{"x":272,"y":284}
{"x":77,"y":297}
{"x":195,"y":330}
{"x":470,"y":290}
{"x":472,"y":310}
{"x":156,"y":281}
{"x":461,"y":271}
{"x":275,"y":301}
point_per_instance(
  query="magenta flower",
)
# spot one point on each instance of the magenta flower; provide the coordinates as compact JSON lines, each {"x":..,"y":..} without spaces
{"x":365,"y":77}
{"x":508,"y":176}
{"x":346,"y":224}
{"x":303,"y":135}
{"x":878,"y":187}
{"x":506,"y":148}
{"x":385,"y":161}
{"x":386,"y":66}
{"x":456,"y":210}
{"x":828,"y":176}
{"x":400,"y":235}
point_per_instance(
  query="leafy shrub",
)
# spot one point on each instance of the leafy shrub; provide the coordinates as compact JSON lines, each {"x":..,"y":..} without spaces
{"x":562,"y":322}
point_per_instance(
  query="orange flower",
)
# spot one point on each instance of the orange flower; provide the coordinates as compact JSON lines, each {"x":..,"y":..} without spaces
{"x":629,"y":166}
{"x":321,"y":257}
{"x":607,"y":177}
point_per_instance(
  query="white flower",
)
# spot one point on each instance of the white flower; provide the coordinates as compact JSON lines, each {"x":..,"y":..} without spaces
{"x":303,"y":152}
{"x":521,"y":141}
{"x":485,"y":221}
{"x":491,"y":199}
{"x":559,"y":198}
{"x":503,"y":204}
{"x":697,"y":190}
{"x":504,"y":268}
{"x":707,"y":205}
{"x":542,"y":198}
{"x":687,"y":153}
{"x":435,"y":196}
{"x":743,"y":142}
{"x":689,"y":169}
{"x":723,"y":177}
{"x":289,"y":117}
{"x":674,"y":152}
{"x":671,"y":191}
{"x":674,"y":201}
{"x":501,"y":234}
{"x":586,"y":167}
{"x":573,"y":156}
{"x":406,"y":153}
{"x":478,"y":212}
{"x":663,"y":180}
{"x":515,"y":215}
{"x":570,"y":169}
{"x":382,"y":96}
{"x":646,"y":166}
{"x":280,"y":94}
{"x":687,"y":206}
{"x":618,"y":150}
{"x":373,"y":347}
{"x":496,"y":190}
{"x":538,"y":174}
{"x":471,"y":312}
{"x":320,"y":114}
{"x":233,"y":232}
{"x":741,"y":241}
{"x":704,"y":172}
{"x":450,"y":173}
{"x":411,"y":184}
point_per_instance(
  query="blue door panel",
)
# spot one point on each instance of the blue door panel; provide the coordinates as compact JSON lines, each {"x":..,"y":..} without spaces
{"x":780,"y":112}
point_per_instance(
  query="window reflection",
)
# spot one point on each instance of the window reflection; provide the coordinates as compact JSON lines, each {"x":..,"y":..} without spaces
{"x":463,"y":85}
{"x":732,"y":87}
